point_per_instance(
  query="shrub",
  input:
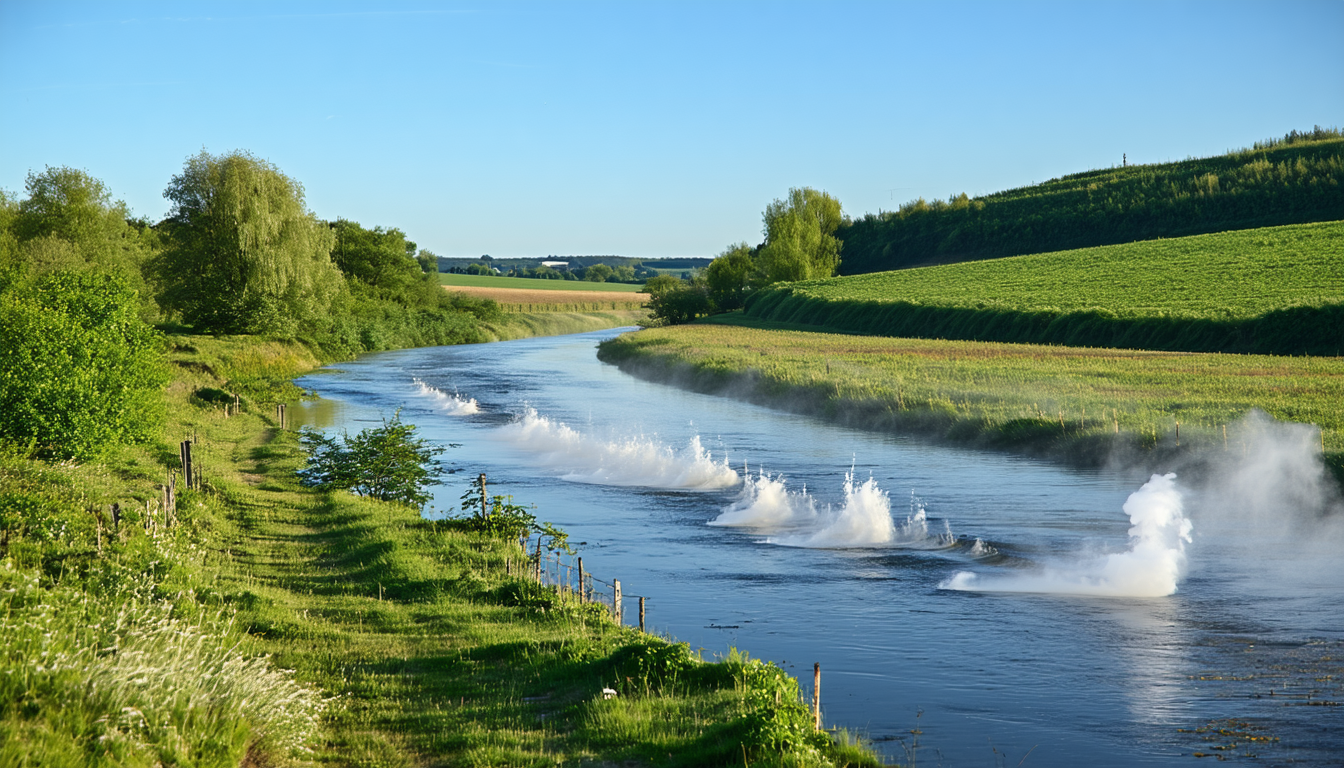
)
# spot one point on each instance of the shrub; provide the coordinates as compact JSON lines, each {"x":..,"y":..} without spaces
{"x":79,"y":370}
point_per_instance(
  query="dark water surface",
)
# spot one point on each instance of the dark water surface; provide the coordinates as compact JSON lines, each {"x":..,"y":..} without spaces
{"x":1242,"y":661}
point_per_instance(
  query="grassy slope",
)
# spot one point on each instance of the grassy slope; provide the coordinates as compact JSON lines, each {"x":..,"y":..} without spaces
{"x":427,"y":651}
{"x":1079,"y":405}
{"x":1277,"y":290}
{"x":488,"y":281}
{"x":1230,"y":274}
{"x":524,"y":325}
{"x":1284,"y":184}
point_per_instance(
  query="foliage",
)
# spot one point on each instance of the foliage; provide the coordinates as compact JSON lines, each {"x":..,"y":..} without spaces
{"x":1277,"y":290}
{"x":244,"y":254}
{"x":545,"y":284}
{"x":79,"y":371}
{"x":380,"y":258}
{"x":388,"y":463}
{"x":1298,"y":180}
{"x":502,"y":520}
{"x":599,"y":273}
{"x":729,"y":276}
{"x":69,"y":222}
{"x":800,"y":243}
{"x":675,"y":301}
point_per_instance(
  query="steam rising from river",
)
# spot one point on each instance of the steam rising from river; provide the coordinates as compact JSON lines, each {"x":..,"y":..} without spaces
{"x":451,"y":404}
{"x":1151,"y":567}
{"x":626,"y":461}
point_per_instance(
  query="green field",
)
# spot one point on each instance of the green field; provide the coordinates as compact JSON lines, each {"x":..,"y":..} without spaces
{"x":1272,"y":290}
{"x":529,"y":283}
{"x":1073,"y":404}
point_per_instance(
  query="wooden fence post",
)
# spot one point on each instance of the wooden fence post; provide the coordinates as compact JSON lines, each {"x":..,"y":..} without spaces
{"x":816,"y":696}
{"x":641,"y":614}
{"x":616,"y":600}
{"x":582,"y":596}
{"x":538,"y":559}
{"x":485,"y":511}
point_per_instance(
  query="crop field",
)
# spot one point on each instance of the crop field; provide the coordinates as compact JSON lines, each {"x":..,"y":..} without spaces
{"x":535,"y":284}
{"x":1276,"y":289}
{"x":529,"y":300}
{"x":1004,"y":394}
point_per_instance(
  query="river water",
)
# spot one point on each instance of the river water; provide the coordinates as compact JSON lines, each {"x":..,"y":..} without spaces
{"x":967,"y":609}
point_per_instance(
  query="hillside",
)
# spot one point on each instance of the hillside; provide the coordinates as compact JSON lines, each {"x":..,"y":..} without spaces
{"x":1295,"y":180}
{"x":1274,"y":290}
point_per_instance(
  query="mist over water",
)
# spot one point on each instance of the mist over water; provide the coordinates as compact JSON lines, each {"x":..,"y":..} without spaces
{"x":1152,"y":566}
{"x":1167,"y":606}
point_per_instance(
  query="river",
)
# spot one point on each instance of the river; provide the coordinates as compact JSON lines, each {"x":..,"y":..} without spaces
{"x":967,"y":608}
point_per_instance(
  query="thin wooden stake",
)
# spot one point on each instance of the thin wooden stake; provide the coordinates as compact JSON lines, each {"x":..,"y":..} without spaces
{"x":485,"y":511}
{"x":641,"y":614}
{"x":1178,"y":434}
{"x":816,"y":696}
{"x":583,"y":598}
{"x":616,"y":600}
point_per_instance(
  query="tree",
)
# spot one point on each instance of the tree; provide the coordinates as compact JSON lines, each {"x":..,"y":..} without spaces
{"x":676,"y":301}
{"x":69,"y":221}
{"x":598,"y":273}
{"x":728,"y":276}
{"x":799,"y":239}
{"x":79,"y":370}
{"x":388,"y":463}
{"x":380,"y":258}
{"x":245,"y":255}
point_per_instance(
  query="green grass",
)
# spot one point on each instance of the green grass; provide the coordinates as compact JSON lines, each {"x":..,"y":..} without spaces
{"x":407,"y":641}
{"x":530,"y":283}
{"x":1274,"y":290}
{"x":1079,"y":405}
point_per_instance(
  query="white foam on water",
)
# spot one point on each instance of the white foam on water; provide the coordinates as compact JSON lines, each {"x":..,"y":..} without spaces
{"x":451,"y":404}
{"x":766,"y":501}
{"x":624,"y":461}
{"x":862,"y":520}
{"x":1151,"y":567}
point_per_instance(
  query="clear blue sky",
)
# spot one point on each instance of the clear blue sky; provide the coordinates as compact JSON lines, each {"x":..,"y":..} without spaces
{"x":646,"y":128}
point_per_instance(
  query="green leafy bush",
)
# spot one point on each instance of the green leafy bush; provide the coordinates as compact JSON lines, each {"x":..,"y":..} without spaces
{"x":79,"y":370}
{"x":388,"y":463}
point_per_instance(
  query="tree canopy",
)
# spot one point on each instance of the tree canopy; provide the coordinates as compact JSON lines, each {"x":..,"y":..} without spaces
{"x":245,"y":254}
{"x":799,"y":237}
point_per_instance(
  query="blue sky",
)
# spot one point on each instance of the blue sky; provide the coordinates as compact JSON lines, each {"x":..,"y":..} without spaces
{"x":646,"y":129}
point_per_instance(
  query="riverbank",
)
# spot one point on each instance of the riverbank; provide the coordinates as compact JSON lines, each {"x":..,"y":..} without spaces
{"x":521,"y":325}
{"x":406,"y":640}
{"x":1087,"y":407}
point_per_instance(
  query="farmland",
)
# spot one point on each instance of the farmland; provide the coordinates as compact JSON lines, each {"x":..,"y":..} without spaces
{"x":1269,"y":290}
{"x":529,"y":300}
{"x":1079,"y":404}
{"x":534,"y":284}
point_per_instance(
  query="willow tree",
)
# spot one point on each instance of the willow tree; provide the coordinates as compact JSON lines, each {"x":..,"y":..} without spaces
{"x":799,"y":237}
{"x":245,"y":254}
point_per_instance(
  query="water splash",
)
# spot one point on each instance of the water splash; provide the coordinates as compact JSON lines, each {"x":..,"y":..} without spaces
{"x":623,"y":461}
{"x":863,"y":520}
{"x":766,"y":501}
{"x":451,"y":404}
{"x":1151,"y":567}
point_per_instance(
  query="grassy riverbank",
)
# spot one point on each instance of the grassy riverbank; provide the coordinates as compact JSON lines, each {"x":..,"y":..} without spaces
{"x":409,"y":641}
{"x":1086,"y":406}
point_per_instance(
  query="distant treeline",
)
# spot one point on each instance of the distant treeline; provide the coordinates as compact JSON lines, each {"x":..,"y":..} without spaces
{"x":1294,"y":180}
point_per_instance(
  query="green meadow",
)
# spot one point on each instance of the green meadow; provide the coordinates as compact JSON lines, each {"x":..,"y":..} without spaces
{"x":1275,"y":290}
